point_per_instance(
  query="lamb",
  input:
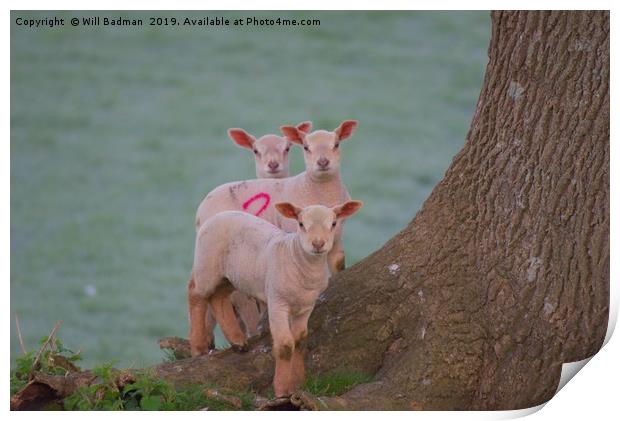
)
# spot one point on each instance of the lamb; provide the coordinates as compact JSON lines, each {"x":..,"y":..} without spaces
{"x":271,"y":160}
{"x":319,"y":184}
{"x":270,"y":151}
{"x":287,"y":271}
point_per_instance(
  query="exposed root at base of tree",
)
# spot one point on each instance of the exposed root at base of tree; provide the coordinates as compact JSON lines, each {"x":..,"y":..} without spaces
{"x":302,"y":401}
{"x":179,"y":347}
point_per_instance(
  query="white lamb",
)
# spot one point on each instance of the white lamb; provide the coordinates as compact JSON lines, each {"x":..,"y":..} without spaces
{"x":287,"y":271}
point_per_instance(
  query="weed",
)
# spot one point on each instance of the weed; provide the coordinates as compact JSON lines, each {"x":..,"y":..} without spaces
{"x":169,"y":356}
{"x":54,"y":358}
{"x":147,"y":392}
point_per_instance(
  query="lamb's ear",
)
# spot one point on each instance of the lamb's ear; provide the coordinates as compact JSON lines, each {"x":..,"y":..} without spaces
{"x":346,"y":129}
{"x":288,"y":209}
{"x":293,"y":134}
{"x":242,"y":138}
{"x":347,"y":209}
{"x":305,"y":127}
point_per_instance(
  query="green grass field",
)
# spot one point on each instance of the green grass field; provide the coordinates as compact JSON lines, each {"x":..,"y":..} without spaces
{"x":118,"y":133}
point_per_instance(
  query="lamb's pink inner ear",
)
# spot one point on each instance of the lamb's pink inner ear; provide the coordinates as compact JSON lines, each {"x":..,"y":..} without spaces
{"x":287,"y":209}
{"x":292,"y":134}
{"x":346,"y":129}
{"x":347,"y":209}
{"x":305,"y":127}
{"x":241,"y":138}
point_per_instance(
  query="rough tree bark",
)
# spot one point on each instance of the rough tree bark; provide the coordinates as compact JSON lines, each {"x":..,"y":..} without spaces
{"x":504,"y":273}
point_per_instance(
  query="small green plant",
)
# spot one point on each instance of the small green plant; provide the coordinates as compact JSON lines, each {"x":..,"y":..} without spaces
{"x":118,"y":390}
{"x":105,"y":394}
{"x":19,"y":376}
{"x":334,"y":384}
{"x":52,"y":358}
{"x":169,"y":356}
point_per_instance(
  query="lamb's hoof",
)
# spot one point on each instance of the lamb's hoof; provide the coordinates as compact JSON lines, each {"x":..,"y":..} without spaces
{"x":198,"y":352}
{"x":240,"y":347}
{"x":203,"y":350}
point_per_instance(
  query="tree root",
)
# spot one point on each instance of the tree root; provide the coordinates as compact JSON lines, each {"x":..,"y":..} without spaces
{"x":302,"y":401}
{"x":44,"y":390}
{"x":178,"y":346}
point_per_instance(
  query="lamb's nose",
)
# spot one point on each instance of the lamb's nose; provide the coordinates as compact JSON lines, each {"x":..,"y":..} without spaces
{"x":273,"y":165}
{"x":323,"y":162}
{"x":318,"y":244}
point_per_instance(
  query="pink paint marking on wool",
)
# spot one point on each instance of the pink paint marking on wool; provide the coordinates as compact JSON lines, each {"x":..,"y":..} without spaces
{"x":261,"y":195}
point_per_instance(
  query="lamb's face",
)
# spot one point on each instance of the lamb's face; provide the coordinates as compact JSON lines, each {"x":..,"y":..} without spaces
{"x":270,"y":151}
{"x":322,"y":154}
{"x":271,"y":156}
{"x":321,"y":148}
{"x":317,"y":225}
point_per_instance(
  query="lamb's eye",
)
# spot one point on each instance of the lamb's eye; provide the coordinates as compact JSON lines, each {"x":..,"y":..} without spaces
{"x":255,"y":152}
{"x":334,"y":224}
{"x":336,"y":145}
{"x":301,"y":225}
{"x":286,"y":150}
{"x":306,"y":148}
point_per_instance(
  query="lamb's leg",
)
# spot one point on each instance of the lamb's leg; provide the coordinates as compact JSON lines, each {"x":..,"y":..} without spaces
{"x":335,"y":257}
{"x":299,"y":329}
{"x":283,"y":346}
{"x":210,"y":323}
{"x":247,"y":310}
{"x":225,"y":316}
{"x":263,"y":324}
{"x":197,"y":304}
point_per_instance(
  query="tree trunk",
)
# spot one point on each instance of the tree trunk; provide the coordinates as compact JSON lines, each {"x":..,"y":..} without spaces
{"x":504,"y":273}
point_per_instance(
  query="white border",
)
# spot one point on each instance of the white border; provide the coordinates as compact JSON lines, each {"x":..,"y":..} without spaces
{"x":592,"y":395}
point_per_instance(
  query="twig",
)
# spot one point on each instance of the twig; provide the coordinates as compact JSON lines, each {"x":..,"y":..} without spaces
{"x":47,"y":341}
{"x":19,"y":334}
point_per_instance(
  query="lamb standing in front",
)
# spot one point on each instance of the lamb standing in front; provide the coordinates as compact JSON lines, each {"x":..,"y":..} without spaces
{"x":288,"y":271}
